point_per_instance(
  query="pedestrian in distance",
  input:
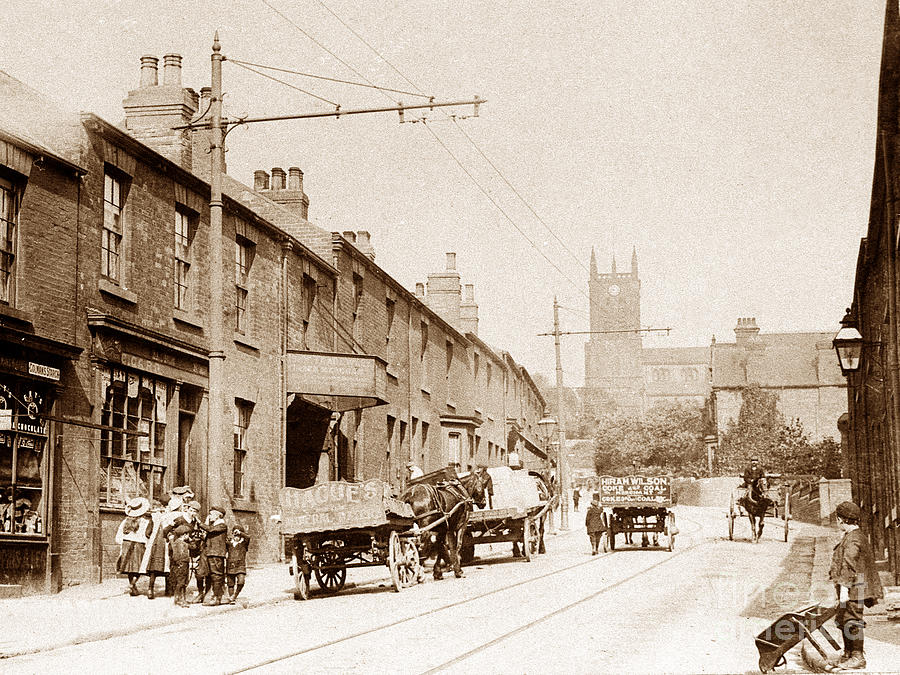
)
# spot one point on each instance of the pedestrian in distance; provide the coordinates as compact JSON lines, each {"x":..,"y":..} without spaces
{"x":236,"y":562}
{"x":576,"y":497}
{"x":132,"y":536}
{"x":595,"y":523}
{"x":856,"y":585}
{"x":179,"y":563}
{"x":216,"y":549}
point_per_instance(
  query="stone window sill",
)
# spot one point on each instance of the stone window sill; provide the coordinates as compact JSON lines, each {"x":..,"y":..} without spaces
{"x":186,"y":318}
{"x":243,"y":504}
{"x":108,"y":287}
{"x":15,"y":314}
{"x":244,"y":341}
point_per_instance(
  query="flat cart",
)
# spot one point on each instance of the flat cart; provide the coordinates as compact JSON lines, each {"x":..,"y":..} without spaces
{"x":781,"y":507}
{"x":518,"y":518}
{"x":639,"y":504}
{"x":334,"y":526}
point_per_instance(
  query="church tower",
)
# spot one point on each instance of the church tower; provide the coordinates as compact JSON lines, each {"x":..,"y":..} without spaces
{"x":612,"y":360}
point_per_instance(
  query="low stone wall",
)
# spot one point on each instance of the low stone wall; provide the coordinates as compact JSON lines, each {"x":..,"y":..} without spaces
{"x":815,"y":501}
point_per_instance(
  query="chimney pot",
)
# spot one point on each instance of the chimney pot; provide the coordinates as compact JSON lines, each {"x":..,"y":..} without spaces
{"x":451,"y":261}
{"x":260,"y":180}
{"x":149,"y":71}
{"x":420,"y":289}
{"x":278,"y":178}
{"x":295,"y":179}
{"x":172,"y":70}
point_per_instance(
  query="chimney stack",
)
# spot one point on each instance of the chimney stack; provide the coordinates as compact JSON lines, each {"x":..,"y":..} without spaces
{"x":420,"y":290}
{"x":364,"y":244}
{"x":260,"y":180}
{"x":149,"y":71}
{"x":746,"y":330}
{"x":286,"y":190}
{"x":444,"y":292}
{"x":152,"y":110}
{"x":350,"y":236}
{"x":468,"y":311}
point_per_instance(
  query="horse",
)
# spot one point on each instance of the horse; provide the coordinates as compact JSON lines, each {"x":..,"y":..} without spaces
{"x":756,"y":503}
{"x":434,"y":502}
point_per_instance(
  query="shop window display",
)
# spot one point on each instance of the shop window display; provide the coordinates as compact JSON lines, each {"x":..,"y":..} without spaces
{"x":23,"y":437}
{"x":133,"y":460}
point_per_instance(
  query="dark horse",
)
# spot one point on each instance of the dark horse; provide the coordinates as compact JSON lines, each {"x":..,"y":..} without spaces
{"x":756,"y":503}
{"x":433,"y":502}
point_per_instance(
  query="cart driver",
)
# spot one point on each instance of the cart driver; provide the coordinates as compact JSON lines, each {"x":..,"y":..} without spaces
{"x":752,"y":473}
{"x":413,"y":471}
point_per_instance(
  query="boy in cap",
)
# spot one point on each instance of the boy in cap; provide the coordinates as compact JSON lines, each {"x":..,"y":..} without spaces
{"x":179,"y":563}
{"x":595,"y":523}
{"x":856,"y":584}
{"x":216,"y":549}
{"x":236,"y":562}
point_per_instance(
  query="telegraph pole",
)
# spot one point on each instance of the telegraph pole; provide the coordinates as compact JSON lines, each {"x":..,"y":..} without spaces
{"x":219,"y":407}
{"x":561,"y":458}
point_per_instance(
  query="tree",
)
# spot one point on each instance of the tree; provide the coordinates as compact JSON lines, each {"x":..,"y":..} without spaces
{"x":666,"y":439}
{"x":756,"y":432}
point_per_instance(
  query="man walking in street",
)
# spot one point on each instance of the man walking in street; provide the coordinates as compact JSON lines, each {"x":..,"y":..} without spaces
{"x":856,"y":584}
{"x":595,"y":523}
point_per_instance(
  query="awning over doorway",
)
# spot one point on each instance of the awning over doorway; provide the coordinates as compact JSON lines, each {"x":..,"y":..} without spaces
{"x":338,"y":382}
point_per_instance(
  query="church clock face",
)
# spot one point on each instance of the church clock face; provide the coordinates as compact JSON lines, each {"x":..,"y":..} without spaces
{"x":613,"y":290}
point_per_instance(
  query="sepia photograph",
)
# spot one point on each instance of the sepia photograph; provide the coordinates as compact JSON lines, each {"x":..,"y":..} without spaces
{"x":409,"y":337}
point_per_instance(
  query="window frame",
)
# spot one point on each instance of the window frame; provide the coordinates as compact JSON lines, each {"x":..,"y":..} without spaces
{"x":186,"y":220}
{"x":244,"y":253}
{"x":114,"y":205}
{"x":243,"y":410}
{"x":9,"y":221}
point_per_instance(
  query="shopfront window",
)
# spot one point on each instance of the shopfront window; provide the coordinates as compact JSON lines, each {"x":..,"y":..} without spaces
{"x":133,"y":456}
{"x":23,"y":440}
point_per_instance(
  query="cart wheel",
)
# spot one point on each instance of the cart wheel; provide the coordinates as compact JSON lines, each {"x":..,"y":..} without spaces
{"x":403,"y":561}
{"x":330,"y":580}
{"x":731,"y":515}
{"x":301,"y":578}
{"x":671,"y":531}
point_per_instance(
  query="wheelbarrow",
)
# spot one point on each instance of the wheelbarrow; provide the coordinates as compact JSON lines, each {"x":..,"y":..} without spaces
{"x":792,"y":628}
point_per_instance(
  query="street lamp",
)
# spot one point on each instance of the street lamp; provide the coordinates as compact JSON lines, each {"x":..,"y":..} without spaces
{"x":848,"y":344}
{"x":546,"y":427}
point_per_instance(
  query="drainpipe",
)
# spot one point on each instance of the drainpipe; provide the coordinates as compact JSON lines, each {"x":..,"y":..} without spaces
{"x":286,"y":247}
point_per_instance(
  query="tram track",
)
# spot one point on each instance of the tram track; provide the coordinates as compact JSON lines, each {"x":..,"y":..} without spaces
{"x":501,"y":638}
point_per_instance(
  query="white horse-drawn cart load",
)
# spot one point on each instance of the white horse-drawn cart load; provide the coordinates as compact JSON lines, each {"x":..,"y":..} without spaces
{"x":516,"y":513}
{"x":639,"y":504}
{"x":333,"y":526}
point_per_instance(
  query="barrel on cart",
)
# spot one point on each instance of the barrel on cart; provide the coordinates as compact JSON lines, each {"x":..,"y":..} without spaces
{"x":516,"y":513}
{"x":334,"y":526}
{"x":639,"y":504}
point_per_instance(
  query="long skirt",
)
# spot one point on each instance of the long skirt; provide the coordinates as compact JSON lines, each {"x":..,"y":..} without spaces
{"x":130,"y":557}
{"x":156,"y":563}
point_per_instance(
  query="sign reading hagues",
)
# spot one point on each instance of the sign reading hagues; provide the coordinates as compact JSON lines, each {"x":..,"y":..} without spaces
{"x":635,"y":490}
{"x":332,"y":505}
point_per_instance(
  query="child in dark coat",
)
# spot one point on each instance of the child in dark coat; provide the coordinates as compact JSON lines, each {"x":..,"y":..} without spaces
{"x":595,"y":522}
{"x":236,"y":562}
{"x":179,"y":563}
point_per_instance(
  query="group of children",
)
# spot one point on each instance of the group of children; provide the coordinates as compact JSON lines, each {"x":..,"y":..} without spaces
{"x":179,"y":537}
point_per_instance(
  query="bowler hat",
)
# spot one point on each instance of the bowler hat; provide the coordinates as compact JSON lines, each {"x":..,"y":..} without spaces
{"x":137,"y":507}
{"x":848,"y":511}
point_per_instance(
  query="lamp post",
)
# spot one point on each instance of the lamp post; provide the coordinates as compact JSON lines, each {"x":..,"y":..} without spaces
{"x":546,"y":427}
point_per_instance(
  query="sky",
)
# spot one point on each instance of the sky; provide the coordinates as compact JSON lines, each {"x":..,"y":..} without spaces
{"x":731,"y":143}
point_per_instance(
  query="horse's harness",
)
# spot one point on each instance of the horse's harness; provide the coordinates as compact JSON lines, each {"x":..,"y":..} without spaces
{"x":432,"y":490}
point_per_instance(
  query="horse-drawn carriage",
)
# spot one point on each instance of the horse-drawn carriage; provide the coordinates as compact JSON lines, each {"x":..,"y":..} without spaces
{"x":517,"y":514}
{"x":639,"y":504}
{"x":334,"y":526}
{"x":761,"y":500}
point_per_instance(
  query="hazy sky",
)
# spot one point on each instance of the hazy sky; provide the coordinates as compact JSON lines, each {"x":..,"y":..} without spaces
{"x":731,"y":142}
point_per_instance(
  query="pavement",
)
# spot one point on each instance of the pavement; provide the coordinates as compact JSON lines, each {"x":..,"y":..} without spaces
{"x":92,"y":612}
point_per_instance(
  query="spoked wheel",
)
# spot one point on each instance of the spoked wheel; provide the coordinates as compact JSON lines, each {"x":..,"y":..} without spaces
{"x":301,"y":577}
{"x":530,"y":539}
{"x":671,"y":531}
{"x":403,"y":560}
{"x":330,"y":580}
{"x":731,"y":516}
